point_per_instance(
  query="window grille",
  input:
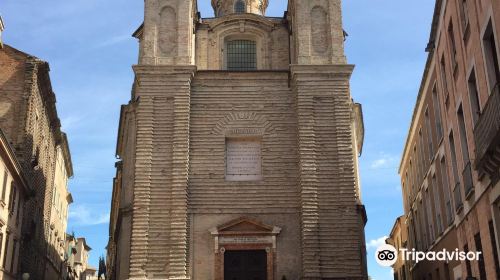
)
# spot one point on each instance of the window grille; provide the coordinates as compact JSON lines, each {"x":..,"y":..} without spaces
{"x":239,"y":7}
{"x":241,"y":55}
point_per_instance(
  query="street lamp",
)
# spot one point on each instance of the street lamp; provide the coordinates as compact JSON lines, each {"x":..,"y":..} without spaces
{"x":26,"y":276}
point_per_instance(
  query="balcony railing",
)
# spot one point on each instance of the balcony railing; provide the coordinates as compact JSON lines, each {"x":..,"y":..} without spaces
{"x":468,"y":183}
{"x":486,"y":132}
{"x":457,"y":194}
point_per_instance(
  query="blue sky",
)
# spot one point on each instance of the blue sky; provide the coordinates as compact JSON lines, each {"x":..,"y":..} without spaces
{"x":89,"y":47}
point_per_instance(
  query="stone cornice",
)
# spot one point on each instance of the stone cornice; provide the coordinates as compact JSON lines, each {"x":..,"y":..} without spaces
{"x":338,"y":69}
{"x":164,"y":69}
{"x":215,"y":22}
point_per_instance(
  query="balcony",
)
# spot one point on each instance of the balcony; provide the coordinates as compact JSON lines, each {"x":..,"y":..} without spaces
{"x":487,"y":136}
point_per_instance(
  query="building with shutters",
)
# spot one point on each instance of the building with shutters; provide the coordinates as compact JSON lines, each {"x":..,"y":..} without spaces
{"x":450,"y":165}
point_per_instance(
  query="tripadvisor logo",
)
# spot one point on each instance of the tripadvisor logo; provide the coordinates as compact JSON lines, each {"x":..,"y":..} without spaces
{"x":387,"y":255}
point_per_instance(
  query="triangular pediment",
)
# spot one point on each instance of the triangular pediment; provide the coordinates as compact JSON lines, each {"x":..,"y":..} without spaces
{"x":246,"y":225}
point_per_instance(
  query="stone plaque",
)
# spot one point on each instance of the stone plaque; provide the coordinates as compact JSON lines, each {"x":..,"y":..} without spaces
{"x":246,"y":240}
{"x":243,"y":159}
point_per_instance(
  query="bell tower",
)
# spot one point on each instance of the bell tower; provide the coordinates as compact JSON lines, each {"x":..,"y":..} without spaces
{"x":160,"y":109}
{"x":167,"y":35}
{"x":332,"y":214}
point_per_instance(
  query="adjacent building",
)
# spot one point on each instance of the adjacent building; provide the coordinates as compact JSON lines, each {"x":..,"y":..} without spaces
{"x":399,"y":239}
{"x":450,"y":165}
{"x":239,"y":147}
{"x":14,"y":192}
{"x":77,"y":256}
{"x":28,"y":118}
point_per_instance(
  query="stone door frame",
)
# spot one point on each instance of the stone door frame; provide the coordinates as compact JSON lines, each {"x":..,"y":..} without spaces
{"x":263,"y":237}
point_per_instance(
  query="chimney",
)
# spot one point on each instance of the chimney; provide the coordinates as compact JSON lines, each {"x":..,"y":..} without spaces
{"x":1,"y":29}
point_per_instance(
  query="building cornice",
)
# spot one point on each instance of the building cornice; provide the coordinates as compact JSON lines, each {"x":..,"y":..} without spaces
{"x":430,"y":60}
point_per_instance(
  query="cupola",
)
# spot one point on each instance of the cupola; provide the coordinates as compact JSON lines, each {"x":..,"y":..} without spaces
{"x":227,"y":7}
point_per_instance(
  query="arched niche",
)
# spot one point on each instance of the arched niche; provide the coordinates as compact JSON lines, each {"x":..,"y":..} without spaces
{"x":167,"y":32}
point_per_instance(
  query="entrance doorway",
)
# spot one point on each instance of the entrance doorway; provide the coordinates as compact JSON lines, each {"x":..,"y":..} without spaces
{"x":245,"y":265}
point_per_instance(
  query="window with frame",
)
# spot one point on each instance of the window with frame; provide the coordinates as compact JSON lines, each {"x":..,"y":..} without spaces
{"x":464,"y":15}
{"x":453,"y":48}
{"x":490,"y":53}
{"x":4,"y":185}
{"x":12,"y":198}
{"x":13,"y":256}
{"x":474,"y":97}
{"x":1,"y":244}
{"x":437,"y":113}
{"x":241,"y":55}
{"x":7,"y":239}
{"x":240,"y":7}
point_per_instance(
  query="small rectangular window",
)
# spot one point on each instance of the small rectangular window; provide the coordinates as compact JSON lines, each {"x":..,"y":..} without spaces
{"x":12,"y":198}
{"x":429,"y":135}
{"x":437,"y":204}
{"x":453,"y":48}
{"x":446,"y":191}
{"x":443,"y":74}
{"x":430,"y":222}
{"x":494,"y":246}
{"x":7,"y":239}
{"x":467,"y":262}
{"x":467,"y":171}
{"x":464,"y":14}
{"x":239,"y":7}
{"x":480,"y":262}
{"x":13,"y":258}
{"x":437,"y":113}
{"x":457,"y":193}
{"x":474,"y":97}
{"x":490,"y":53}
{"x":4,"y":185}
{"x":1,"y":245}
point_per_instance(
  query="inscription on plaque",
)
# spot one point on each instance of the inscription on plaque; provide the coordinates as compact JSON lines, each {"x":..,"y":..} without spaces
{"x":243,"y":159}
{"x":246,"y":240}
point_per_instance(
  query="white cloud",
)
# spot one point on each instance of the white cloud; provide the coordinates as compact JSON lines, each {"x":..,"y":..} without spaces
{"x":375,"y":243}
{"x":113,"y":41}
{"x":70,"y":122}
{"x":82,"y":215}
{"x":385,"y":161}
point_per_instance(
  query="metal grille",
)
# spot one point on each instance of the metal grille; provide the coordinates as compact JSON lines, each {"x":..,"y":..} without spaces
{"x":241,"y":55}
{"x":239,"y":8}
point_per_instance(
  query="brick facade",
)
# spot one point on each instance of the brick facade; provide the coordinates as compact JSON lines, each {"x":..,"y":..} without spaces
{"x":448,"y":171}
{"x":173,"y":198}
{"x":29,"y":119}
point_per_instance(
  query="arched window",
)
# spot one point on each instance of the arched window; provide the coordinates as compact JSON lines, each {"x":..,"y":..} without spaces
{"x":240,"y":7}
{"x":241,"y":55}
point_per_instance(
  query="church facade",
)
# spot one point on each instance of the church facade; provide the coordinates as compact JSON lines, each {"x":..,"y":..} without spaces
{"x":238,"y":149}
